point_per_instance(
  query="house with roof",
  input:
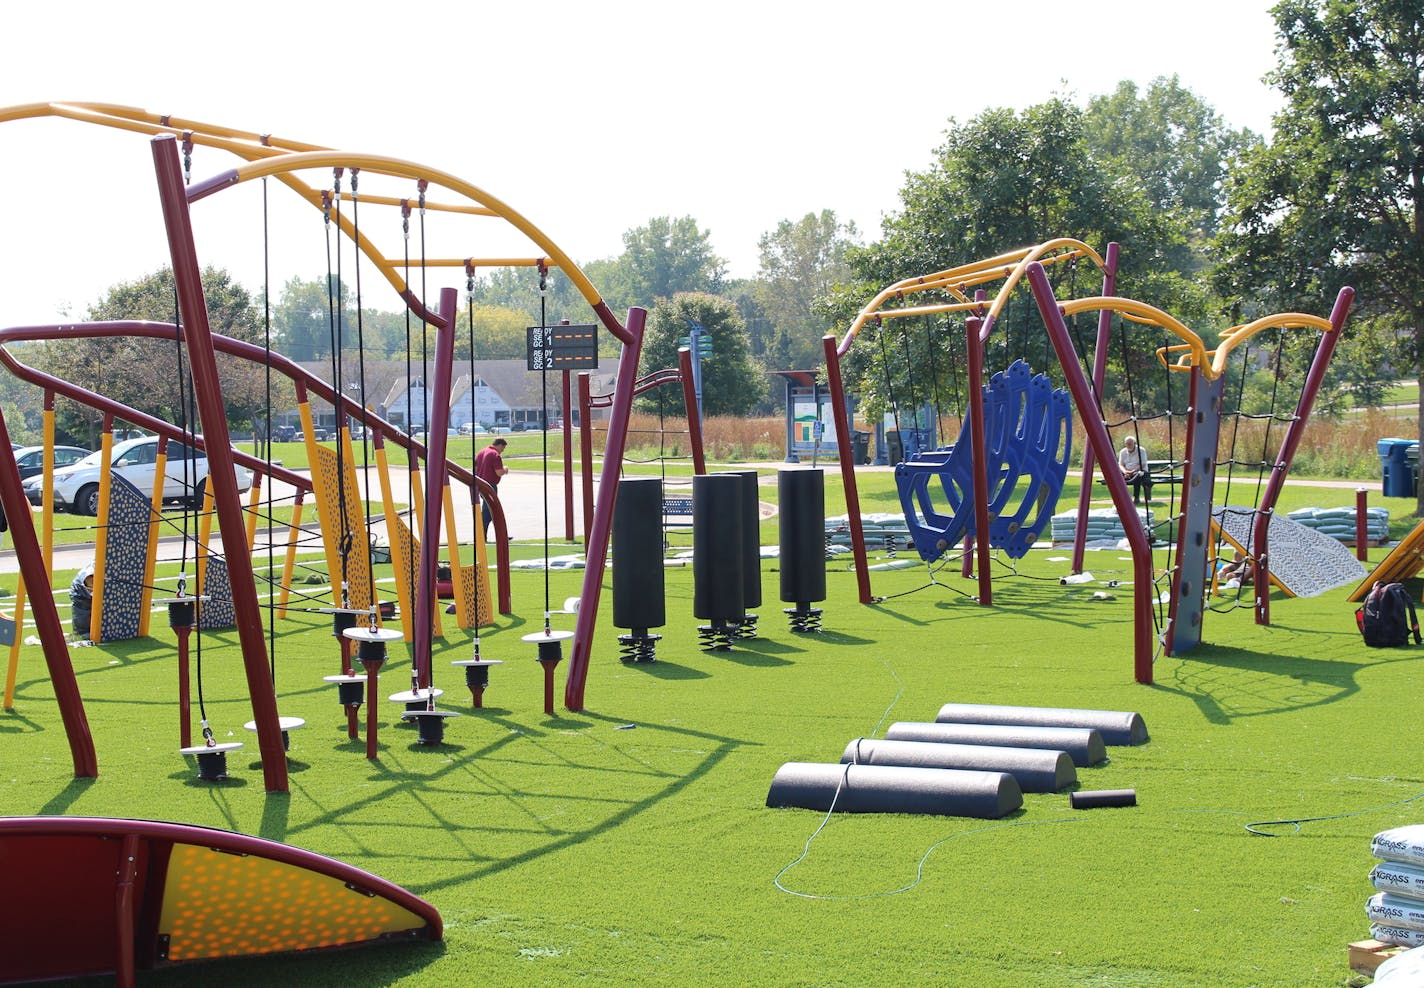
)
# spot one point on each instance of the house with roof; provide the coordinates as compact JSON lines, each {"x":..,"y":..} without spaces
{"x":496,"y":394}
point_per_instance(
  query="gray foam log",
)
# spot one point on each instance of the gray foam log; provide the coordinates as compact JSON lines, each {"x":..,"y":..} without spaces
{"x":1034,"y":769}
{"x":1117,"y":727}
{"x":1085,"y":747}
{"x":894,"y":789}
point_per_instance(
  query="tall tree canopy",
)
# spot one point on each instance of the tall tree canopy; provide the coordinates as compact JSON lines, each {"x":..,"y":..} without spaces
{"x":658,"y":260}
{"x":801,"y":262}
{"x":1337,"y":197}
{"x":1132,"y":169}
{"x":144,"y":373}
{"x":732,"y":382}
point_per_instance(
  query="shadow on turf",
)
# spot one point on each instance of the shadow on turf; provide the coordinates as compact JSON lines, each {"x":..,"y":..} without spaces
{"x":663,"y":669}
{"x":65,"y":798}
{"x":1227,"y":684}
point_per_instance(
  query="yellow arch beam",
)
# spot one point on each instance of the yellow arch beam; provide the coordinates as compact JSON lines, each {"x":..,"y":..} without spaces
{"x":256,"y":149}
{"x":1008,"y":268}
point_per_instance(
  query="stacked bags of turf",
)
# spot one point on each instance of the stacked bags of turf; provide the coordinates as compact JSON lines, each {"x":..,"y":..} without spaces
{"x":1104,"y":526}
{"x":876,"y":527}
{"x":1396,"y":911}
{"x":1339,"y":523}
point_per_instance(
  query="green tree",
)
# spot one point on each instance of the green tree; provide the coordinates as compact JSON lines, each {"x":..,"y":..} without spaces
{"x":658,"y":260}
{"x":1141,"y":169}
{"x":800,"y":263}
{"x":144,"y":373}
{"x":303,"y":317}
{"x":732,"y":382}
{"x":1337,"y":196}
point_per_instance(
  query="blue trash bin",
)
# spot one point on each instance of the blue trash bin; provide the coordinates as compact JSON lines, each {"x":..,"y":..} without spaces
{"x":1396,"y":471}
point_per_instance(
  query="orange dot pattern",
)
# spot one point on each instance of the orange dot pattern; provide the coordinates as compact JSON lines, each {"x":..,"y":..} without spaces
{"x":327,"y":484}
{"x":217,"y":904}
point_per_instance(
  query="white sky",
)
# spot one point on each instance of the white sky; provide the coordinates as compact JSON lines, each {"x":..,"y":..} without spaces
{"x":589,"y":118}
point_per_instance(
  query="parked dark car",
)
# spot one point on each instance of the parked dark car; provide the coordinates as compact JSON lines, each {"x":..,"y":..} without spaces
{"x":30,"y":459}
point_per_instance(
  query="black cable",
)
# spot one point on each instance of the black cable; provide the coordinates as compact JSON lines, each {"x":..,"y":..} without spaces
{"x":1294,"y":823}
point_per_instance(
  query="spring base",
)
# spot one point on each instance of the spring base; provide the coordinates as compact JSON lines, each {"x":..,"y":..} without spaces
{"x":748,"y":626}
{"x":804,"y":620}
{"x":717,"y":637}
{"x":638,"y":647}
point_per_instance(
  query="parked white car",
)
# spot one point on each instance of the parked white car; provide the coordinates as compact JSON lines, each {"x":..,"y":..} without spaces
{"x":76,"y":488}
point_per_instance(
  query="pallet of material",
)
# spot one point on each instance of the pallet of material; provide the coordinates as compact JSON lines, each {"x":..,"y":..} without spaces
{"x":1367,"y":955}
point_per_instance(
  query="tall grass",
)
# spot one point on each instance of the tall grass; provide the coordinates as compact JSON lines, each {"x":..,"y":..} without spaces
{"x":1345,"y":448}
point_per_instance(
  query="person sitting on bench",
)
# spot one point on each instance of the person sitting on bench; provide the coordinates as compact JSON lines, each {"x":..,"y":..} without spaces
{"x":1132,"y":458}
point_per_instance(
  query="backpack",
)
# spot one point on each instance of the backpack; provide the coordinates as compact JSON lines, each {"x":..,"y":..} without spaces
{"x":1387,"y":616}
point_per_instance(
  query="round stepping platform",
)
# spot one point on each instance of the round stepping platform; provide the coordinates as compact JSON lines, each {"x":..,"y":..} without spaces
{"x":1034,"y":769}
{"x":1117,"y":727}
{"x":431,"y":724}
{"x":212,"y":759}
{"x":894,"y":789}
{"x":416,"y":700}
{"x":286,"y":724}
{"x":1085,"y":747}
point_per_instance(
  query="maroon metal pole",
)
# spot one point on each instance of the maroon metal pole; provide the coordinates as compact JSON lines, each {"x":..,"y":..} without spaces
{"x":373,"y":675}
{"x":207,"y":389}
{"x":435,"y":463}
{"x":1260,"y":544}
{"x":564,"y":397}
{"x":852,"y":494}
{"x":56,"y":651}
{"x":596,"y":548}
{"x":586,"y":451}
{"x":1100,"y":367}
{"x":689,"y":401}
{"x":1143,"y":589}
{"x":1362,"y":525}
{"x":185,"y":716}
{"x":974,"y":350}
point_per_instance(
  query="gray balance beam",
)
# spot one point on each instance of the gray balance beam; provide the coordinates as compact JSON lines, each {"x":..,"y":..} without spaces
{"x":894,"y":789}
{"x":1034,"y":769}
{"x":1085,"y":747}
{"x":1117,"y":727}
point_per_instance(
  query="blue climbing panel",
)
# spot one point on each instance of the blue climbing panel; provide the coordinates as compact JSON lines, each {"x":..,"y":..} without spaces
{"x":1028,"y":439}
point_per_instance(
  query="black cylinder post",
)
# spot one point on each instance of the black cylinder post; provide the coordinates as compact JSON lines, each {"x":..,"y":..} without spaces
{"x":639,"y":599}
{"x":751,"y":550}
{"x":717,"y":557}
{"x":802,"y":532}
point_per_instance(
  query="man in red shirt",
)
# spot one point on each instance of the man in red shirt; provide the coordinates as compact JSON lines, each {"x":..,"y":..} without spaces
{"x":489,"y":467}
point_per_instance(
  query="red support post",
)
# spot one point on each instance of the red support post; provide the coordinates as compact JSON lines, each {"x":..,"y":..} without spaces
{"x":568,"y":416}
{"x":1260,"y":540}
{"x":596,"y":549}
{"x":56,"y":651}
{"x":852,"y":495}
{"x":1362,"y":524}
{"x":1143,"y":589}
{"x":586,"y":450}
{"x":1100,"y":368}
{"x":212,"y":413}
{"x":437,"y":443}
{"x":978,"y":446}
{"x":694,"y":421}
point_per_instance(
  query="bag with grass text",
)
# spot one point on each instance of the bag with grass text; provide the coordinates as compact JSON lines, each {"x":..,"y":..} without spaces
{"x":1387,"y":618}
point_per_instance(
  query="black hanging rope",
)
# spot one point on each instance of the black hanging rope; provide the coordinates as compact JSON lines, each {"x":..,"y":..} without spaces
{"x":363,"y":418}
{"x":334,"y":306}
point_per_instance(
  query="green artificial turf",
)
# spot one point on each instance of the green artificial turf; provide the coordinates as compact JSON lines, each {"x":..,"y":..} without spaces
{"x":629,"y":843}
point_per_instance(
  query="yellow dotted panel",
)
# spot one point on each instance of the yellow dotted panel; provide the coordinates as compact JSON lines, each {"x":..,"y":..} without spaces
{"x":328,"y":506}
{"x":226,"y":905}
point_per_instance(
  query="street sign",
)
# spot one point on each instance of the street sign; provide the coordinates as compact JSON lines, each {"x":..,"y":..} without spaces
{"x":562,"y":348}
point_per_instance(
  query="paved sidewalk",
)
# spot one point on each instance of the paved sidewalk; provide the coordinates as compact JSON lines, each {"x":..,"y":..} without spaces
{"x":521,"y":494}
